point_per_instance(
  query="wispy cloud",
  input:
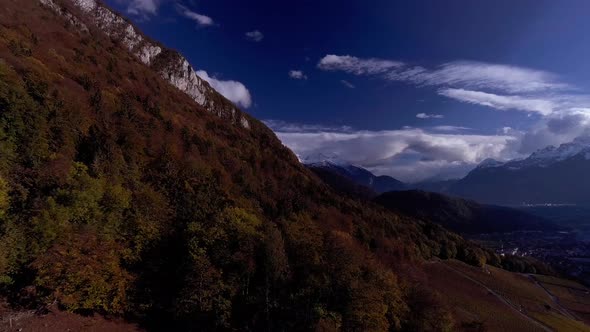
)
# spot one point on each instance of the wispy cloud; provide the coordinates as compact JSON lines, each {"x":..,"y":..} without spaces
{"x":450,"y":128}
{"x":255,"y":36}
{"x":464,"y":74}
{"x":200,"y":19}
{"x":357,"y":66}
{"x":429,"y":116}
{"x":480,"y":75}
{"x":347,"y":84}
{"x":143,"y":8}
{"x":501,"y":102}
{"x":289,"y":127}
{"x":498,"y":86}
{"x":297,"y":75}
{"x":232,"y":90}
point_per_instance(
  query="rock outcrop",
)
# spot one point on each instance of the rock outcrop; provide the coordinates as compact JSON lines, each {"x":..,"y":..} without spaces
{"x":171,"y":65}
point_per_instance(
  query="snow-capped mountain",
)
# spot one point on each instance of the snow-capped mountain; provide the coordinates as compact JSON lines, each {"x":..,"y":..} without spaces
{"x":489,"y":162}
{"x":323,"y":159}
{"x":546,"y":156}
{"x":549,"y":175}
{"x":356,"y":174}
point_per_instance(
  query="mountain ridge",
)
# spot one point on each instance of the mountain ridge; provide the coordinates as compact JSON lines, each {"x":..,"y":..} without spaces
{"x":171,"y":65}
{"x":356,"y":174}
{"x":460,"y":215}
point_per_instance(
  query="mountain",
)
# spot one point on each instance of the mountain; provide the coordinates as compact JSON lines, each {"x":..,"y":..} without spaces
{"x":442,"y":186}
{"x":169,"y":64}
{"x":554,"y":175}
{"x":460,"y":215}
{"x":325,"y":165}
{"x":129,"y":188}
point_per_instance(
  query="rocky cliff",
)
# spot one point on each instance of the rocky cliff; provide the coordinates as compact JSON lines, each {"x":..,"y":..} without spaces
{"x":91,"y":15}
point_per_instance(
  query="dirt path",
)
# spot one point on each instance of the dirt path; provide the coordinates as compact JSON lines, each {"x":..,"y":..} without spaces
{"x":564,"y":311}
{"x":503,"y":300}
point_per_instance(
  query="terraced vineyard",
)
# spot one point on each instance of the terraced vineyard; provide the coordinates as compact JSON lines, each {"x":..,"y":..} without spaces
{"x":502,"y":301}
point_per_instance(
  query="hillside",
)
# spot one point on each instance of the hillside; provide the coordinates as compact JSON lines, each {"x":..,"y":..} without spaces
{"x":342,"y":184}
{"x":126,"y":193}
{"x":494,"y":300}
{"x":462,"y":215}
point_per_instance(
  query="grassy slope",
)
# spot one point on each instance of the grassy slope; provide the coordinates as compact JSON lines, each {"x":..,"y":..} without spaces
{"x":573,"y":296}
{"x":467,"y":290}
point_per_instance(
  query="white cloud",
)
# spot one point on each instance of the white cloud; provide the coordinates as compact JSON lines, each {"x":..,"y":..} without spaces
{"x":480,"y":75}
{"x":255,"y":36}
{"x":357,"y":66}
{"x":200,"y":19}
{"x":347,"y":84}
{"x":232,"y":90}
{"x":143,"y":7}
{"x":429,"y":116}
{"x":508,"y":87}
{"x":563,"y":112}
{"x":501,"y":102}
{"x":297,"y":75}
{"x":465,"y":74}
{"x":410,"y":154}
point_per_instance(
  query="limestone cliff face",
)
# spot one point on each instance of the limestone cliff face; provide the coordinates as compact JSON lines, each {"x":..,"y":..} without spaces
{"x":171,"y":65}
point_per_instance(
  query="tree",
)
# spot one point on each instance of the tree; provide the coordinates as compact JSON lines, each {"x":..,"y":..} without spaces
{"x":4,"y":199}
{"x":83,"y":273}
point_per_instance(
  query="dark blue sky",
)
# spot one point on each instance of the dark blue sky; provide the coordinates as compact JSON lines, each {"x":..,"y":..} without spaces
{"x":548,"y":37}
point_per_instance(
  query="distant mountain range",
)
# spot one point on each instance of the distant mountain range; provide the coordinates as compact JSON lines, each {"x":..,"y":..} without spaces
{"x":461,"y":215}
{"x":553,"y":175}
{"x":457,"y":214}
{"x":330,"y":165}
{"x":556,"y":175}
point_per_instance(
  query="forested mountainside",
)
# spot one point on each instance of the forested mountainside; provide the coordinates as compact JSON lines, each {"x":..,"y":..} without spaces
{"x":123,"y":194}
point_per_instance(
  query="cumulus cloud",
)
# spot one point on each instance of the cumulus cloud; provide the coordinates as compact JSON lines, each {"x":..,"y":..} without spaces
{"x":555,"y":129}
{"x":357,"y":66}
{"x":143,"y":7}
{"x":410,"y":154}
{"x":347,"y":84}
{"x":255,"y":36}
{"x":297,"y":75}
{"x":429,"y":116}
{"x":232,"y":90}
{"x":200,"y":19}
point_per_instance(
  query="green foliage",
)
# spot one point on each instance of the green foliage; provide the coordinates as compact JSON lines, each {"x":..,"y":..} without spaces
{"x":4,"y":198}
{"x":84,"y":274}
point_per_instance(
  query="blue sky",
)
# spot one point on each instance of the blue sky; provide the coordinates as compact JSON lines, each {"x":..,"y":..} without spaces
{"x":413,"y":89}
